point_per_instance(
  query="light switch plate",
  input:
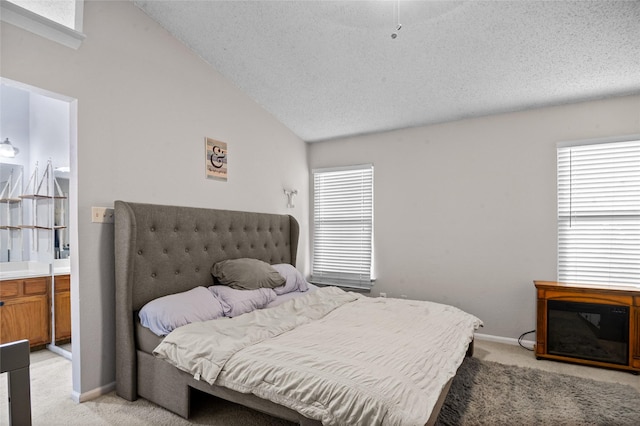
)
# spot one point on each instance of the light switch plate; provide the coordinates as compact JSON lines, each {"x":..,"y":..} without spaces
{"x":102,"y":215}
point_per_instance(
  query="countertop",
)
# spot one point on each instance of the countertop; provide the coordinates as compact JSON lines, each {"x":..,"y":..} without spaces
{"x":30,"y":269}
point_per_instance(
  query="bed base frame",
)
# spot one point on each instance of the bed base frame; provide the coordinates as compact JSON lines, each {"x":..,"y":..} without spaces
{"x":161,"y":250}
{"x":174,"y":393}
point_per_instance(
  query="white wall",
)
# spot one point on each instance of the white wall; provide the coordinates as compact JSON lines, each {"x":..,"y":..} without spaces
{"x":35,"y":124}
{"x":48,"y":131}
{"x":14,"y":123}
{"x":465,"y":212}
{"x":145,"y":103}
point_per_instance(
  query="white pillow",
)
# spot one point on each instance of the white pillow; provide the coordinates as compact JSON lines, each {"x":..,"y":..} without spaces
{"x":238,"y":302}
{"x":295,"y":280}
{"x":286,"y":297}
{"x":165,"y":314}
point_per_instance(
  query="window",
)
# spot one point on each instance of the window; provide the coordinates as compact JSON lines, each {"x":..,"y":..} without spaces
{"x":57,"y":20}
{"x":599,"y":212}
{"x":60,"y":11}
{"x":343,"y":226}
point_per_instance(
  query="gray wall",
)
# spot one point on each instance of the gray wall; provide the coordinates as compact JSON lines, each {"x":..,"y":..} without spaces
{"x":465,"y":212}
{"x":145,"y":103}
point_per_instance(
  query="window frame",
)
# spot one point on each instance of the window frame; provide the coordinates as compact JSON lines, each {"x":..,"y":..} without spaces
{"x":594,"y":215}
{"x":343,"y":279}
{"x":43,"y":26}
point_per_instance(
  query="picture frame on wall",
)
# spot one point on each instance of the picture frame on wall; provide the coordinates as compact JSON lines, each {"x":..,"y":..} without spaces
{"x":216,"y":156}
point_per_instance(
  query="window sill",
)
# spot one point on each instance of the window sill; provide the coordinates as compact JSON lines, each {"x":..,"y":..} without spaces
{"x":345,"y":287}
{"x":37,"y":24}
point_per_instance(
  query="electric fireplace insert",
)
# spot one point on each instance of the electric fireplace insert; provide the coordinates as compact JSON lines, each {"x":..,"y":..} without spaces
{"x":590,"y":331}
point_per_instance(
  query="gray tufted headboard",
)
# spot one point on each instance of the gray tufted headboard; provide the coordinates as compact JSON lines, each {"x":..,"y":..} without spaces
{"x":160,"y":250}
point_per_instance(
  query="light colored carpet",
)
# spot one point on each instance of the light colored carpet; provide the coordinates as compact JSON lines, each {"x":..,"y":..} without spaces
{"x":52,"y":405}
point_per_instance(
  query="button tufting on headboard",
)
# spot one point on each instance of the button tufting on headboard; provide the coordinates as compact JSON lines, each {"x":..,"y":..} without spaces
{"x":173,"y":253}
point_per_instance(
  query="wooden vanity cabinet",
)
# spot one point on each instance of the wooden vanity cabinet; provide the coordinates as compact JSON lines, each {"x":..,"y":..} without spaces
{"x":25,"y":310}
{"x":62,"y":305}
{"x":24,"y":313}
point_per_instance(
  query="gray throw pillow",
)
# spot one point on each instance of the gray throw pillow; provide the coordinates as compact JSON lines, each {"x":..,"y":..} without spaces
{"x":248,"y":274}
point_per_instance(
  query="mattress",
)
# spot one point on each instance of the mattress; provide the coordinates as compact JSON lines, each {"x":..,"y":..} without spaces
{"x":333,"y":356}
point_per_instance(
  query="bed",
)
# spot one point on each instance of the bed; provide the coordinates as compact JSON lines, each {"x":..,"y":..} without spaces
{"x":163,"y":250}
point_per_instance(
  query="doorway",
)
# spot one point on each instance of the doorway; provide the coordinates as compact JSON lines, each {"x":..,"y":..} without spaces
{"x":38,"y":230}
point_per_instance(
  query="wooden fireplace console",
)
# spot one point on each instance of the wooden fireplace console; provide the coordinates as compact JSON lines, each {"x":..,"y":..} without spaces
{"x":586,"y":293}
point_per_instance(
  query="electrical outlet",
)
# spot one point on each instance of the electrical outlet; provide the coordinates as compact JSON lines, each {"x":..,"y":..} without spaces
{"x":102,"y":215}
{"x":383,"y":294}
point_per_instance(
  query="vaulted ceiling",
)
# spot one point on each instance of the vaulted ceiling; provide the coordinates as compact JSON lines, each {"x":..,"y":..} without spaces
{"x":329,"y":69}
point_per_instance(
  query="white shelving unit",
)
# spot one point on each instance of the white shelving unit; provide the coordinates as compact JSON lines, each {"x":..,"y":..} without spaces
{"x":46,"y":199}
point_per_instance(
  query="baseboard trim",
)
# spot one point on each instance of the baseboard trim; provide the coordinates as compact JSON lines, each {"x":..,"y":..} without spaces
{"x":92,"y":394}
{"x":506,"y":340}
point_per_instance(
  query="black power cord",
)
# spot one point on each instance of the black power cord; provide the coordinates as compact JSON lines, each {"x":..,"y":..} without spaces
{"x":520,"y":339}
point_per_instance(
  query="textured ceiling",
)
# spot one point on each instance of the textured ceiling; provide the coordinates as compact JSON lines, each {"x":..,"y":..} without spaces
{"x":329,"y":69}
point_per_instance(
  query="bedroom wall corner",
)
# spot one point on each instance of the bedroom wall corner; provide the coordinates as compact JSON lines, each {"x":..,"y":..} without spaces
{"x":465,"y":212}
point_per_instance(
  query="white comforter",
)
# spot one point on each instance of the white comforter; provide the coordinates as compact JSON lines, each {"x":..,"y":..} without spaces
{"x":333,"y":356}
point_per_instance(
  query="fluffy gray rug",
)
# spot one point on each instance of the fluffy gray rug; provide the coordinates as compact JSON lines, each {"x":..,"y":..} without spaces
{"x":488,"y":393}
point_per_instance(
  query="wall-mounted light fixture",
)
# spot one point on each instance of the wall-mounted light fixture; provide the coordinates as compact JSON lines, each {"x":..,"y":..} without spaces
{"x":7,"y":150}
{"x":398,"y":24}
{"x":290,"y":193}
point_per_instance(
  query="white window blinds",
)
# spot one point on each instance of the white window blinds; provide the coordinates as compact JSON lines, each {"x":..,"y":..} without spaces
{"x":343,"y":226}
{"x":599,"y":213}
